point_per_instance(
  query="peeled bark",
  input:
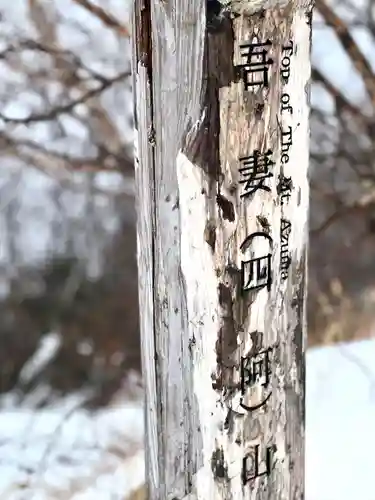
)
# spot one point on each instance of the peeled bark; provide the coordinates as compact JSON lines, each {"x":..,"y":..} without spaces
{"x":207,"y":217}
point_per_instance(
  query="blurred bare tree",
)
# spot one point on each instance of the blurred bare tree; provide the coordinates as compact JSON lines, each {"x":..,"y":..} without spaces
{"x":342,"y":228}
{"x":67,"y":252}
{"x":68,"y":257}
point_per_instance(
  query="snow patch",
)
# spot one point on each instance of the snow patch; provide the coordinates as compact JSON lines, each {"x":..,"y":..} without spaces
{"x":48,"y":346}
{"x":75,"y":454}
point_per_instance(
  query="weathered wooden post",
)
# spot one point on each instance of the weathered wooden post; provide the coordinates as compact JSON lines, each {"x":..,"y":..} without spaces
{"x":222,"y":109}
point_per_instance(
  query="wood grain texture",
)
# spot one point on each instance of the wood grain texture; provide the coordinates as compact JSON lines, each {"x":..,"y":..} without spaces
{"x":144,"y":177}
{"x":194,"y":121}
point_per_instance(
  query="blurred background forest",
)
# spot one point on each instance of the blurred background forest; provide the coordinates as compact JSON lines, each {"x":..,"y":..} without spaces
{"x":68,"y":275}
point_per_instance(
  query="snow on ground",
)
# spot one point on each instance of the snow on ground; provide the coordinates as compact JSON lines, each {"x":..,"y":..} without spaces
{"x":71,"y":454}
{"x":340,"y":422}
{"x":63,"y":453}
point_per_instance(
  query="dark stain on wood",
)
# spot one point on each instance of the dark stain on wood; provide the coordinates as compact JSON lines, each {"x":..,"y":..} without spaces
{"x":218,"y":465}
{"x":259,"y":108}
{"x":201,"y":142}
{"x":210,"y":234}
{"x":265,"y":225}
{"x":252,"y":427}
{"x":143,"y":36}
{"x":215,"y":16}
{"x":229,"y":422}
{"x":226,"y":206}
{"x":228,"y":337}
{"x":257,"y":342}
{"x":226,"y":344}
{"x":284,"y":183}
{"x":298,"y":303}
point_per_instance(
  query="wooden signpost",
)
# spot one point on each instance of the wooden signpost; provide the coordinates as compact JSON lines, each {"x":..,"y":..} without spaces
{"x":222,"y":110}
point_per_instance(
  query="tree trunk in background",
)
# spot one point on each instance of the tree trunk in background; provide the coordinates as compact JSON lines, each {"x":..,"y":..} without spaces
{"x":222,"y":108}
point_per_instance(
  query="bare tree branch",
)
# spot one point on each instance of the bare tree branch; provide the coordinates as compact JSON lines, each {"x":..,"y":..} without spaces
{"x":340,"y":100}
{"x":358,"y":59}
{"x":107,"y":19}
{"x":66,"y":108}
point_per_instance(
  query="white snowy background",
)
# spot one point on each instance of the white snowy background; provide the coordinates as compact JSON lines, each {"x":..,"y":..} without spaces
{"x":64,"y":452}
{"x":340,"y":422}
